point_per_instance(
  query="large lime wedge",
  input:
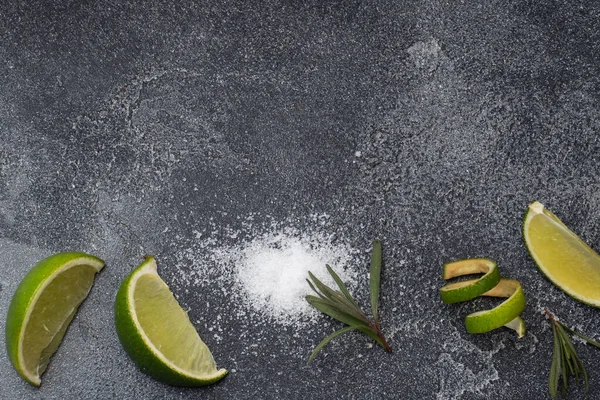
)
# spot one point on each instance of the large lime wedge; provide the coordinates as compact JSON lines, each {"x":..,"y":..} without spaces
{"x":42,"y":308}
{"x":157,"y":333}
{"x":561,"y":255}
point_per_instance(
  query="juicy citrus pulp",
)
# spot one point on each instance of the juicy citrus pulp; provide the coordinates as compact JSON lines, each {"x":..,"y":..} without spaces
{"x":561,"y":255}
{"x":42,"y":308}
{"x":157,"y":333}
{"x":467,"y":290}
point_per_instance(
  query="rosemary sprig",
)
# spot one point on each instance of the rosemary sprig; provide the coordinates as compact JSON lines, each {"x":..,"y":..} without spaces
{"x":565,"y":360}
{"x":340,"y":305}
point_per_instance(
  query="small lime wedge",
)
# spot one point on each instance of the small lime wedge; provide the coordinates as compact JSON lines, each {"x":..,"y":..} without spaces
{"x":565,"y":259}
{"x":157,"y":333}
{"x":467,"y":290}
{"x":42,"y":308}
{"x":517,"y":325}
{"x":504,"y":313}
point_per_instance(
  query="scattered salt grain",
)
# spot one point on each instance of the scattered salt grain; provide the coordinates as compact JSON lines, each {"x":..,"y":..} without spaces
{"x":264,"y":276}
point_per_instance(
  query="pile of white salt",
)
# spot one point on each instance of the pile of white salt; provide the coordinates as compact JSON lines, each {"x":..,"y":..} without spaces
{"x":265,"y":276}
{"x":271,"y":271}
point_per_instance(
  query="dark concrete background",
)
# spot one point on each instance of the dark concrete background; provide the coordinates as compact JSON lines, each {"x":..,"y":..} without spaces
{"x":127,"y":129}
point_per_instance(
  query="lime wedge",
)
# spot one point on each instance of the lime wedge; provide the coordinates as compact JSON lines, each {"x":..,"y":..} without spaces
{"x":42,"y":308}
{"x":503,"y":314}
{"x":157,"y":333}
{"x":468,"y":290}
{"x":565,"y":259}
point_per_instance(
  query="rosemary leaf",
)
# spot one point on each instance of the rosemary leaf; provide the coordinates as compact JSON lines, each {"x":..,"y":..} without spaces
{"x":329,"y":309}
{"x":315,"y":290}
{"x":587,"y":339}
{"x":331,"y":294}
{"x":341,"y":285}
{"x":570,"y":352}
{"x":328,"y":338}
{"x":375,"y":278}
{"x":340,"y":305}
{"x":322,"y":288}
{"x":555,"y":369}
{"x":371,"y":333}
{"x":565,"y":377}
{"x":334,"y":312}
{"x":565,"y":360}
{"x":343,"y":306}
{"x":574,"y":354}
{"x":553,"y":379}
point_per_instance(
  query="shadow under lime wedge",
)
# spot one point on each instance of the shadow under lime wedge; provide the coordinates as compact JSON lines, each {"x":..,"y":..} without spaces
{"x":42,"y":308}
{"x":157,"y":333}
{"x":561,"y":255}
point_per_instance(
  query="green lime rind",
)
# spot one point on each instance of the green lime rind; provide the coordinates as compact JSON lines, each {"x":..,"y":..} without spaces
{"x":147,"y":358}
{"x":536,"y":208}
{"x":488,"y":320}
{"x":517,"y":325}
{"x":24,"y":299}
{"x":467,"y":290}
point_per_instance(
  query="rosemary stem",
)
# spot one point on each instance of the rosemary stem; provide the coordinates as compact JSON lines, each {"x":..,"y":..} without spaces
{"x":386,"y":346}
{"x":375,"y":327}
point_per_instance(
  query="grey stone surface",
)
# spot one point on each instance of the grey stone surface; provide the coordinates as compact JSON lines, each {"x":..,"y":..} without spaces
{"x":129,"y":129}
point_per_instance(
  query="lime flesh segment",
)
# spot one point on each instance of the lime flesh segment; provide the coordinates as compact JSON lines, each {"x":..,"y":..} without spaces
{"x":565,"y":259}
{"x":157,"y":333}
{"x":183,"y":346}
{"x":467,"y":290}
{"x":54,"y":310}
{"x":511,"y":308}
{"x":42,"y":308}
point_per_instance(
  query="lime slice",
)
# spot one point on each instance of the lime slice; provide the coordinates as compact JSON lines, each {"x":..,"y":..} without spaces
{"x":42,"y":308}
{"x":468,"y":290}
{"x":561,"y":255}
{"x":503,"y":314}
{"x":157,"y":333}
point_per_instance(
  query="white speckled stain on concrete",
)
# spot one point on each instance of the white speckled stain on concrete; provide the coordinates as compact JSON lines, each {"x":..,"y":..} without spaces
{"x":430,"y":125}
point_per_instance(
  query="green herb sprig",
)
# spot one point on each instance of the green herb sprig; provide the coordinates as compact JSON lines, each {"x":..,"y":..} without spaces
{"x":340,"y":305}
{"x":565,"y":361}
